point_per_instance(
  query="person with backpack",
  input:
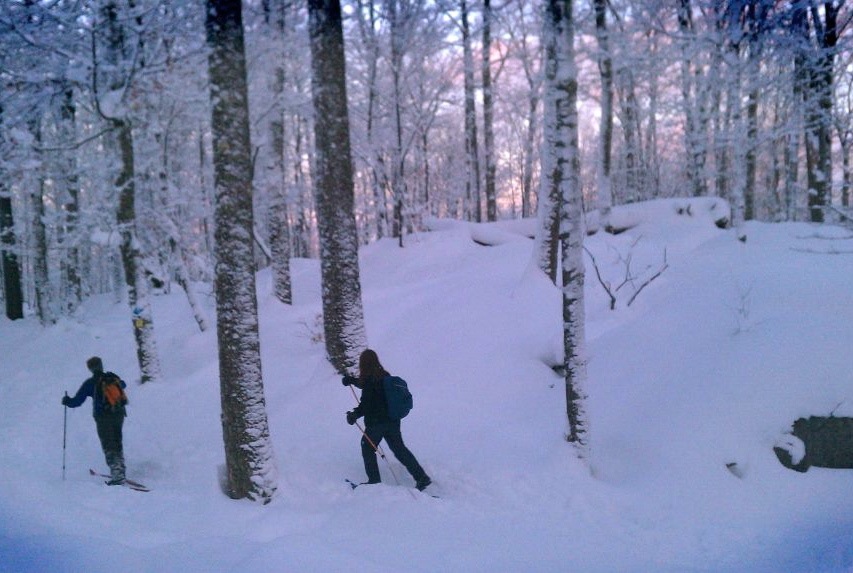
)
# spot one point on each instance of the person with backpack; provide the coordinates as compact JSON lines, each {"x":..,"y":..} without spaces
{"x":109,"y":407}
{"x":379,"y":424}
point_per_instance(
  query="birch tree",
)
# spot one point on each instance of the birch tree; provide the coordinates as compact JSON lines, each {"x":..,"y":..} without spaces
{"x":560,"y":206}
{"x":249,"y":464}
{"x":561,"y":146}
{"x":547,"y":243}
{"x":343,"y":316}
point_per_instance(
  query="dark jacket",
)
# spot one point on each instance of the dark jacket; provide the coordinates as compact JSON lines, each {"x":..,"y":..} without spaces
{"x":90,"y":389}
{"x":372,"y":405}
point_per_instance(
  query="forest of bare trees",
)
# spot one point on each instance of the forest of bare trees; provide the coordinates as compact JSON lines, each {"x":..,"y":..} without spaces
{"x":113,"y":134}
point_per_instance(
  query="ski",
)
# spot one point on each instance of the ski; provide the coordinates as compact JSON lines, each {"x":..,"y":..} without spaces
{"x":130,"y":484}
{"x":354,"y":485}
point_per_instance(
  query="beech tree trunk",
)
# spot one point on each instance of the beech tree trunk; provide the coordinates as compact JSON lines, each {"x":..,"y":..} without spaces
{"x":343,"y":316}
{"x":276,"y":177}
{"x":249,"y":463}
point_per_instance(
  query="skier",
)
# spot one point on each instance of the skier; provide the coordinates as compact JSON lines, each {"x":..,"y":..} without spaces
{"x":109,"y":419}
{"x":378,"y":425}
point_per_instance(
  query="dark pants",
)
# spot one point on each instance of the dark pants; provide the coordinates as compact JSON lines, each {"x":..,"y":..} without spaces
{"x":109,"y":431}
{"x":390,"y":432}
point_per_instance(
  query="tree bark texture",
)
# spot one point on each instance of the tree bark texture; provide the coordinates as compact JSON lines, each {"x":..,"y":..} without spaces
{"x":488,"y":116}
{"x":138,"y":295}
{"x":605,"y":150}
{"x":276,"y":173}
{"x":115,"y":47}
{"x":547,"y":243}
{"x":249,"y":463}
{"x":472,"y":156}
{"x":343,"y":316}
{"x":559,"y":17}
{"x":12,"y":291}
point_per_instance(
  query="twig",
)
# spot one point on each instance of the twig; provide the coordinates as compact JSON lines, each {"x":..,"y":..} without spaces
{"x":601,"y":280}
{"x":653,"y":277}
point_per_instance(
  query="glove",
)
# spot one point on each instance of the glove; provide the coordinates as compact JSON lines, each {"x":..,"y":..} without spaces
{"x":349,"y":380}
{"x":351,"y":417}
{"x":65,"y":400}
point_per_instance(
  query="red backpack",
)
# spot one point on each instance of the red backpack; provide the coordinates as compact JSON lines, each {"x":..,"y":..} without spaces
{"x":113,"y":394}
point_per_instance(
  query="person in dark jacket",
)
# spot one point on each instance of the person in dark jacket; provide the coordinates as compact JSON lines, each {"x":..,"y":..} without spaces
{"x":108,"y":419}
{"x":378,"y":425}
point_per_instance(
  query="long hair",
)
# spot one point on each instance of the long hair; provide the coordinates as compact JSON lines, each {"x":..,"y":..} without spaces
{"x":369,"y":367}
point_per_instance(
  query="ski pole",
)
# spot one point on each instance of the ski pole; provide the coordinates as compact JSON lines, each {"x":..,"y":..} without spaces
{"x":376,"y":448}
{"x":64,"y":434}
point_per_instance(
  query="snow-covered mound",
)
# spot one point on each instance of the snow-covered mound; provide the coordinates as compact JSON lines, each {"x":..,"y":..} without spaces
{"x":708,"y":366}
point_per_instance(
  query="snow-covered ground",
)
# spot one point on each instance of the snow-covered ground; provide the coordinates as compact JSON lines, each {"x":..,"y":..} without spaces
{"x":710,"y":365}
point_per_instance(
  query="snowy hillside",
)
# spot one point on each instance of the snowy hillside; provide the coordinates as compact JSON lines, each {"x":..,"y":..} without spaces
{"x":709,"y":365}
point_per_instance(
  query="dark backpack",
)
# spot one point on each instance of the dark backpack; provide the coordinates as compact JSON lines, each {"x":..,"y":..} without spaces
{"x":397,"y":397}
{"x":114,"y":397}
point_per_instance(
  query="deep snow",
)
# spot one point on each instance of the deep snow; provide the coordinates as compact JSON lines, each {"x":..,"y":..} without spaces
{"x":710,"y":365}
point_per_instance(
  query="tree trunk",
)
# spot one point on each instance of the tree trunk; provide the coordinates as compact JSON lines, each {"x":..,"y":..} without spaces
{"x":552,"y":171}
{"x":562,"y":87}
{"x":115,"y":44}
{"x":12,"y":291}
{"x":249,"y":460}
{"x":472,"y":156}
{"x":846,"y":171}
{"x":397,"y":165}
{"x":651,"y":167}
{"x":692,"y":100}
{"x":721,"y":124}
{"x":753,"y":67}
{"x":276,"y":177}
{"x":73,"y":283}
{"x":488,"y":116}
{"x":634,"y":182}
{"x":138,"y":292}
{"x":530,"y":139}
{"x":737,"y":183}
{"x":41,"y":276}
{"x":818,"y":101}
{"x":605,"y":70}
{"x":792,"y":143}
{"x":300,"y":189}
{"x":343,"y":317}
